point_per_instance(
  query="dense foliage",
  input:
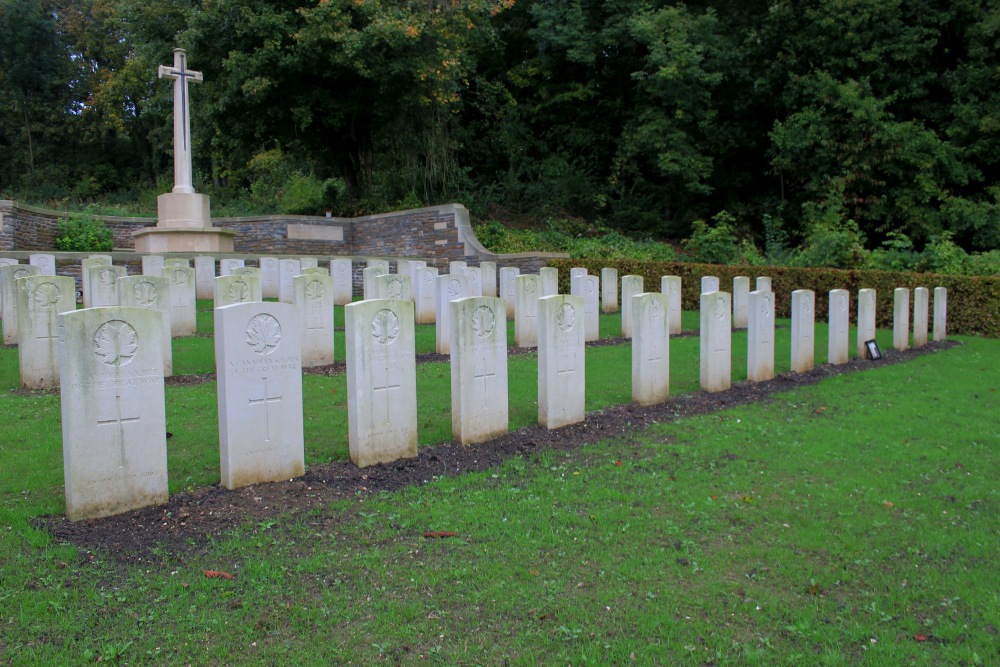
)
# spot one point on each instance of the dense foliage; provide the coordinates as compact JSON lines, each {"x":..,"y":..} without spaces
{"x":840,"y":127}
{"x":80,"y":232}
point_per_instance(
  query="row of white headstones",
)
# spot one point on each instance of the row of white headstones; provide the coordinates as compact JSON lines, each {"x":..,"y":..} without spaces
{"x":111,"y":360}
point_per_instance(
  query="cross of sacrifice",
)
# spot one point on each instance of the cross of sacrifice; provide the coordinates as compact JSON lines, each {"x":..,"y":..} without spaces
{"x":180,"y":75}
{"x":119,"y":422}
{"x":266,"y":400}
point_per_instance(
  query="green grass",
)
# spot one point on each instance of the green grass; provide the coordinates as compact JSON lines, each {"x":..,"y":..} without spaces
{"x":836,"y":524}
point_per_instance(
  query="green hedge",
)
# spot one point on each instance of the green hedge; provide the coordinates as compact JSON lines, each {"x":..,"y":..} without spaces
{"x":973,"y":301}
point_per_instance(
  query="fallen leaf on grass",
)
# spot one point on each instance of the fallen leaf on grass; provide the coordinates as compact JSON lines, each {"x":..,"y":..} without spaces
{"x":888,"y":504}
{"x":216,"y":574}
{"x":432,"y":534}
{"x":920,"y":638}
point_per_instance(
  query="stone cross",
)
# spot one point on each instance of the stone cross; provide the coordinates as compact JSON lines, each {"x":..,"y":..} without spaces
{"x":182,"y":121}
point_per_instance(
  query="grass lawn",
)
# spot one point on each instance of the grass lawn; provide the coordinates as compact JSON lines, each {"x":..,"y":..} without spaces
{"x":850,"y":522}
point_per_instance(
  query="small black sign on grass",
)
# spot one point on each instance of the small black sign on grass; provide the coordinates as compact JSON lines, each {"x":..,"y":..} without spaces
{"x":873,"y":352}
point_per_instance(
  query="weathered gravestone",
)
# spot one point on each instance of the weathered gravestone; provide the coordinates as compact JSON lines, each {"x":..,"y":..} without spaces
{"x":527,"y":290}
{"x":287,"y":270}
{"x":393,"y":286}
{"x":456,"y":267}
{"x":251,"y":271}
{"x":650,"y":348}
{"x":609,"y":290}
{"x":901,"y":318}
{"x":313,"y":298}
{"x":204,"y":276}
{"x":106,"y":259}
{"x":414,"y":268}
{"x":46,"y":263}
{"x":561,"y":361}
{"x":40,"y":300}
{"x":489,"y":270}
{"x":183,"y":316}
{"x":763,"y":284}
{"x":803,"y":330}
{"x":173,"y":262}
{"x":308,"y":263}
{"x":5,"y":261}
{"x":381,"y":381}
{"x":588,"y":288}
{"x":549,"y":280}
{"x":575,"y":274}
{"x":113,"y":415}
{"x":152,"y":265}
{"x":449,"y":287}
{"x":270,"y":282}
{"x":342,"y":272}
{"x":940,"y":313}
{"x":741,"y":301}
{"x":9,"y":276}
{"x":426,"y":295}
{"x":153,"y":293}
{"x":631,"y":285}
{"x":226,"y":266}
{"x":259,"y":371}
{"x":314,"y":271}
{"x":473,"y":280}
{"x":380,"y":263}
{"x":478,"y":369}
{"x":368,"y":277}
{"x":103,"y":290}
{"x":709,"y":284}
{"x":866,"y":321}
{"x":716,"y":342}
{"x":236,"y":289}
{"x":760,"y":336}
{"x":921,"y":301}
{"x":671,"y":286}
{"x":839,"y":344}
{"x":507,"y":289}
{"x":85,"y":267}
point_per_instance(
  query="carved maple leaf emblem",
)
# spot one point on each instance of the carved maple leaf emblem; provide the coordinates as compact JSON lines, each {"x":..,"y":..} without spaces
{"x":483,"y":321}
{"x":239,"y":292}
{"x":385,"y":326}
{"x":116,"y":343}
{"x":314,"y":290}
{"x":46,"y":295}
{"x":145,"y":293}
{"x":566,"y":317}
{"x":263,"y":333}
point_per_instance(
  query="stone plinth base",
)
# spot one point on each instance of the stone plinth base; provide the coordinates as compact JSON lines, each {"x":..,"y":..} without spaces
{"x":183,"y":210}
{"x":157,"y":240}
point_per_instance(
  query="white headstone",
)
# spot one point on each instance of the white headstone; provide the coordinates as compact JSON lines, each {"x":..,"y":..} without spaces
{"x":226,"y":266}
{"x":270,"y":283}
{"x":153,"y":293}
{"x":671,"y":286}
{"x":85,"y":266}
{"x":473,"y":280}
{"x":103,"y":291}
{"x":478,"y":369}
{"x":8,"y":261}
{"x":803,"y":330}
{"x":588,"y":288}
{"x":921,"y":301}
{"x":314,"y":271}
{"x":456,"y":267}
{"x":106,"y":259}
{"x":709,"y":284}
{"x":381,"y":263}
{"x":760,"y":336}
{"x":449,"y":287}
{"x":575,"y":273}
{"x":901,"y":318}
{"x":609,"y":290}
{"x":46,"y":263}
{"x":716,"y":341}
{"x":342,"y":272}
{"x":171,"y":262}
{"x":308,"y":263}
{"x":489,"y":278}
{"x":426,"y":295}
{"x":8,"y":302}
{"x":204,"y":276}
{"x":381,"y":381}
{"x":561,"y":361}
{"x":839,"y":343}
{"x":414,"y":267}
{"x":183,"y":314}
{"x":393,"y":286}
{"x":152,"y":265}
{"x":940,"y":313}
{"x":550,"y":280}
{"x":252,"y":271}
{"x":287,"y":269}
{"x":741,"y":295}
{"x":866,"y":320}
{"x":113,"y":414}
{"x":763,"y":284}
{"x":368,"y":277}
{"x":313,"y":298}
{"x":507,"y":288}
{"x":631,"y":285}
{"x":40,"y":300}
{"x":527,"y":290}
{"x":259,"y":371}
{"x":236,"y":289}
{"x":650,"y":348}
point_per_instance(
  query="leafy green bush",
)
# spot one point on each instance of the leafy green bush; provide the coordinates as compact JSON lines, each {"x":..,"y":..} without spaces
{"x":571,"y":237}
{"x":81,"y":232}
{"x":896,"y":254}
{"x":715,"y":244}
{"x":836,"y":244}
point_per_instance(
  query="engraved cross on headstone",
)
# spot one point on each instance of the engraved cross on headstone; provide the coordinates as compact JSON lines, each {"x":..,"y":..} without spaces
{"x":484,"y":374}
{"x":119,"y":422}
{"x":386,"y":387}
{"x":267,"y":399}
{"x":180,"y":75}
